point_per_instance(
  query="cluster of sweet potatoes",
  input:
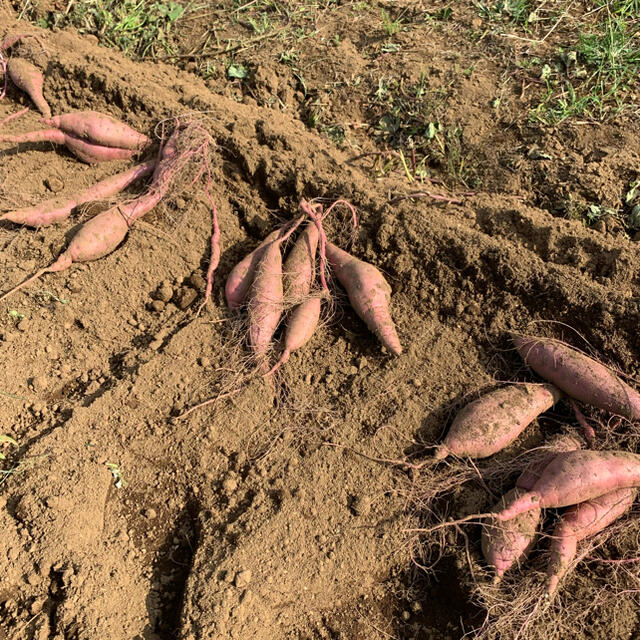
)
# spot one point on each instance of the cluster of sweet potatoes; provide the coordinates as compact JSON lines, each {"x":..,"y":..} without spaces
{"x":269,"y":288}
{"x":597,"y":487}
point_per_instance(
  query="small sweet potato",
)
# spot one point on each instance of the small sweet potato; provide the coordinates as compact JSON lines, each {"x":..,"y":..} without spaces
{"x":579,"y":522}
{"x":495,"y":420}
{"x":28,"y":78}
{"x":507,"y":543}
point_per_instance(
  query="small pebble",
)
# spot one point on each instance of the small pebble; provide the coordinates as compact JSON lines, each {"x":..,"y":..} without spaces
{"x":74,"y":287}
{"x":23,"y":325}
{"x":197,"y":281}
{"x":186,"y":298}
{"x":164,"y":293}
{"x":600,"y":226}
{"x":155,"y":345}
{"x":243,"y":578}
{"x":54,"y":184}
{"x":204,"y":362}
{"x":157,"y":306}
{"x":150,"y":514}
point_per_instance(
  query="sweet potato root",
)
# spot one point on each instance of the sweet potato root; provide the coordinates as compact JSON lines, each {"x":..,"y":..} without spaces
{"x":265,"y":300}
{"x":300,"y":266}
{"x":28,"y":78}
{"x":239,"y":280}
{"x":59,"y":209}
{"x":578,"y":476}
{"x":99,"y":129}
{"x":532,"y":472}
{"x":579,"y":522}
{"x":578,"y":375}
{"x":368,"y":293}
{"x":507,"y":543}
{"x":495,"y":420}
{"x":86,"y":151}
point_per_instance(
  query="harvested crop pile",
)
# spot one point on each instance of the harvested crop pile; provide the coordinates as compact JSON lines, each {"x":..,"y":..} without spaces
{"x":253,"y":518}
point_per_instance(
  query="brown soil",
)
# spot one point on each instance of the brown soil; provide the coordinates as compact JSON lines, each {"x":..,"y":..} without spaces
{"x":251,"y":519}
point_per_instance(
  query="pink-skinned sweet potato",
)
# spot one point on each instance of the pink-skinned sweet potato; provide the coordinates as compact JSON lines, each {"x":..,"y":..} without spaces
{"x":99,"y":129}
{"x":495,"y":420}
{"x":369,"y":294}
{"x":579,"y":522}
{"x":300,"y":266}
{"x":28,"y":78}
{"x":241,"y":276}
{"x":265,"y":301}
{"x":578,"y":476}
{"x":59,"y":209}
{"x":532,"y":472}
{"x":301,"y":325}
{"x":89,"y":153}
{"x":507,"y":543}
{"x":579,"y":376}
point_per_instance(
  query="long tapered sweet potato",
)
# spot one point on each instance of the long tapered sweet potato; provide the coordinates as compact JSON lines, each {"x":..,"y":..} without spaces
{"x":495,"y":420}
{"x":239,"y":280}
{"x":299,"y":268}
{"x":577,"y":476}
{"x":28,"y":78}
{"x":578,"y":375}
{"x":265,"y":300}
{"x":301,"y":325}
{"x":103,"y":233}
{"x":507,"y":543}
{"x":579,"y":522}
{"x":99,"y":128}
{"x":369,"y":294}
{"x":59,"y":209}
{"x":86,"y":151}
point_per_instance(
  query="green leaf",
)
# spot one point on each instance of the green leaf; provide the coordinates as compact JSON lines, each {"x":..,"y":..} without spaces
{"x":238,"y":71}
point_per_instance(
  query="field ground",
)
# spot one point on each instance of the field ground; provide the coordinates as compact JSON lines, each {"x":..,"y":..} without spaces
{"x":492,"y":151}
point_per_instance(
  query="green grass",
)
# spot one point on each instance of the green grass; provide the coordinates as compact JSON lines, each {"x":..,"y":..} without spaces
{"x":407,"y":119}
{"x":141,"y":28}
{"x":514,"y":11}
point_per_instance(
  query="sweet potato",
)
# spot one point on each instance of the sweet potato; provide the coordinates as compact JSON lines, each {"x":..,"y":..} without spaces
{"x":301,"y":325}
{"x":577,"y":523}
{"x":28,"y":78}
{"x":86,"y":151}
{"x":103,"y":233}
{"x":265,"y":300}
{"x":579,"y":376}
{"x":368,"y":293}
{"x":578,"y":476}
{"x":300,"y":266}
{"x":239,"y":280}
{"x":58,"y":209}
{"x":532,"y":472}
{"x":507,"y":543}
{"x":495,"y":420}
{"x":99,"y":129}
